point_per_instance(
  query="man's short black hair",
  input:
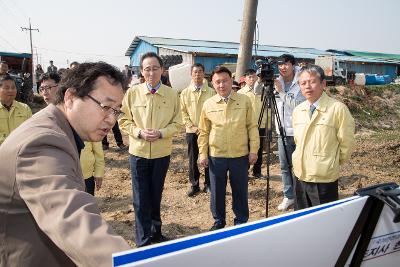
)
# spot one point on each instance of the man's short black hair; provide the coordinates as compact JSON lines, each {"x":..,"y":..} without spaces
{"x":220,"y":69}
{"x":197,"y":65}
{"x":151,"y":54}
{"x":249,"y":72}
{"x":50,"y":76}
{"x":6,"y":77}
{"x":83,"y":78}
{"x":286,"y":58}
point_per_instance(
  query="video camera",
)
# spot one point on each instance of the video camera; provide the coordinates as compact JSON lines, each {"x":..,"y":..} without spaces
{"x":266,"y":70}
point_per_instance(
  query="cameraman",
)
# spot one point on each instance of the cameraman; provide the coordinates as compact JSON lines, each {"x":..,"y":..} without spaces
{"x":287,"y":98}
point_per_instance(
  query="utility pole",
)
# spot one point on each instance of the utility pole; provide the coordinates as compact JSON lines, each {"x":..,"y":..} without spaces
{"x":246,"y":37}
{"x":30,"y":37}
{"x":37,"y":56}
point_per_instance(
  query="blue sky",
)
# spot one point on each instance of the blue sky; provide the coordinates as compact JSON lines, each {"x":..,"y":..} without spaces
{"x":102,"y":30}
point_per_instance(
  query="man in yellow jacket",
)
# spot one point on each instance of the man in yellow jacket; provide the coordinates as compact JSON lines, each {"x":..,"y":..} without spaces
{"x":324,"y":136}
{"x":92,"y":163}
{"x":151,"y":117}
{"x":227,"y":129}
{"x":250,"y":78}
{"x":192,"y":100}
{"x":12,"y":113}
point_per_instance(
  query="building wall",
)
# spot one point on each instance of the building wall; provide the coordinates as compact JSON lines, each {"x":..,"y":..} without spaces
{"x":211,"y":62}
{"x":186,"y":57}
{"x":368,"y":68}
{"x":141,"y":49}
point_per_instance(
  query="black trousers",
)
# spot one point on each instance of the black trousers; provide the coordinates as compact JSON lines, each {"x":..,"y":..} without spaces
{"x":257,"y":165}
{"x":313,"y":194}
{"x":117,"y":136}
{"x":90,"y":185}
{"x":193,"y":154}
{"x":238,"y":178}
{"x":148,"y":176}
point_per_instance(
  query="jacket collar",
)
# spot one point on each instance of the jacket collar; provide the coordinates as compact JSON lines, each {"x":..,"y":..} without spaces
{"x":144,"y":90}
{"x":295,"y":78}
{"x":13,"y":104}
{"x":246,"y":89}
{"x":322,"y":104}
{"x":203,"y":87}
{"x":217,"y":98}
{"x":60,"y":119}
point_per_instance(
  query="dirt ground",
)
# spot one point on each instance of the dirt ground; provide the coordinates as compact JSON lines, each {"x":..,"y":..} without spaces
{"x":376,"y":159}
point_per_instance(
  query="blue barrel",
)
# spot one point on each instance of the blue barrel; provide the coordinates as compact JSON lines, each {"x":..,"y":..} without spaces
{"x":370,"y":79}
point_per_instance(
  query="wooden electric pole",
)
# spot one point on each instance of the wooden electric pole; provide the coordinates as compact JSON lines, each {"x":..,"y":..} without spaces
{"x":246,"y":37}
{"x":30,"y":37}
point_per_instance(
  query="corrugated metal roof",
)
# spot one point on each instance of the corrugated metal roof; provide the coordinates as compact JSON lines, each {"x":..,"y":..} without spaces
{"x":374,"y":55}
{"x":231,"y":48}
{"x":223,"y":48}
{"x":12,"y":54}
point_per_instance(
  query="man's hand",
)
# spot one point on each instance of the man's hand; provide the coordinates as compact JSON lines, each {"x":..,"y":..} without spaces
{"x":150,"y":135}
{"x":195,"y":130}
{"x":204,"y":163}
{"x":98,"y":182}
{"x":278,"y":85}
{"x":252,"y":158}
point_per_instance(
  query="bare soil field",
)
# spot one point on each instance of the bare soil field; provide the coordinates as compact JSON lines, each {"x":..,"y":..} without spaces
{"x":376,"y":159}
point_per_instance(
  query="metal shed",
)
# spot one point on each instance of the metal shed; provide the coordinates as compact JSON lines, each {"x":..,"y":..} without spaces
{"x":213,"y":53}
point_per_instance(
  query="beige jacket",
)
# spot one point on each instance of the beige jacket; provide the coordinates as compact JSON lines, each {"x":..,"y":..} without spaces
{"x":323,"y":142}
{"x":143,"y":110}
{"x":228,"y":130}
{"x":46,"y":218}
{"x":192,"y":102}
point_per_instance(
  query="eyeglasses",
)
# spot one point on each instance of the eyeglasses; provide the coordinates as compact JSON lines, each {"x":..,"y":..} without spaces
{"x":47,"y":88}
{"x":106,"y":109}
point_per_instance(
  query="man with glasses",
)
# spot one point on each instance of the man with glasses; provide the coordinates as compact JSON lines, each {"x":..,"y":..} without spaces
{"x":151,"y":117}
{"x":45,"y":214}
{"x":49,"y":86}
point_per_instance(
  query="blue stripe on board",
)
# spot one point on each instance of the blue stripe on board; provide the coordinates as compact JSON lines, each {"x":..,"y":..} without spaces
{"x":201,"y":240}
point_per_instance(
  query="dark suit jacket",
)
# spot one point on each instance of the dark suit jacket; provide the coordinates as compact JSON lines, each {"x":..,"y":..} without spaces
{"x":46,"y":218}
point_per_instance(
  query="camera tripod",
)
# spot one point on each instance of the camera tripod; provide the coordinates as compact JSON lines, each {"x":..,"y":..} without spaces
{"x":269,"y":103}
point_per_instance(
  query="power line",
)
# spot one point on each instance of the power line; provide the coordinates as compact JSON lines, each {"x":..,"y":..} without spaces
{"x":5,"y":40}
{"x":10,"y":11}
{"x":17,"y":7}
{"x":78,"y":53}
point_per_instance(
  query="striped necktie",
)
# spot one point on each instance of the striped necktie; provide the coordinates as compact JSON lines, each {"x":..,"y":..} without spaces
{"x":312,"y":108}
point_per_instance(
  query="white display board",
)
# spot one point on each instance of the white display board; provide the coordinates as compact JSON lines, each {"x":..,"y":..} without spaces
{"x":180,"y":76}
{"x":310,"y":237}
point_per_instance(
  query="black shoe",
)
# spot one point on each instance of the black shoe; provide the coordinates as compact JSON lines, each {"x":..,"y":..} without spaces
{"x":105,"y":147}
{"x":193,"y":191}
{"x":217,"y":226}
{"x":158,"y":238}
{"x":206,"y":189}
